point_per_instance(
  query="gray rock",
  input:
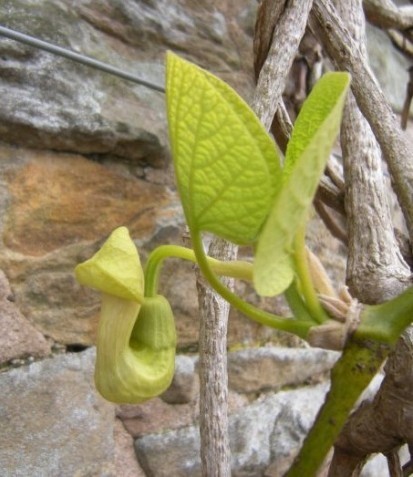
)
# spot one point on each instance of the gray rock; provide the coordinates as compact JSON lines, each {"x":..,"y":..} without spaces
{"x":54,"y":103}
{"x":270,"y":368}
{"x":298,"y":411}
{"x":250,"y":431}
{"x":171,"y":453}
{"x":53,"y":423}
{"x":265,"y":437}
{"x":376,"y":467}
{"x":389,"y":66}
{"x":185,"y":384}
{"x":254,"y":436}
{"x":295,"y":420}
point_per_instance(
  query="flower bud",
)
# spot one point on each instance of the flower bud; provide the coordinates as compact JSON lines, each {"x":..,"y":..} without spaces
{"x":135,"y":349}
{"x":115,"y":269}
{"x":135,"y":352}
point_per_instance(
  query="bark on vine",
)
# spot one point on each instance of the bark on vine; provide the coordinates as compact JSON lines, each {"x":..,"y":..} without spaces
{"x":215,"y":451}
{"x":377,"y":269}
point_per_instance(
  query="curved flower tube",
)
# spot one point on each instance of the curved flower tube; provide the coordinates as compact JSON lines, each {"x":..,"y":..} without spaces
{"x":136,"y":340}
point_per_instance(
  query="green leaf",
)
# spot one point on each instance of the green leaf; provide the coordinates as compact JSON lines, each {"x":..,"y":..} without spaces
{"x":314,"y":134}
{"x":227,"y":166}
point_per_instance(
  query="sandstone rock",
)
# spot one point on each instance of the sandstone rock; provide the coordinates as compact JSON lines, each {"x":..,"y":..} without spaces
{"x":63,"y":203}
{"x":217,"y":34}
{"x":126,"y":463}
{"x":53,"y":422}
{"x":58,"y":200}
{"x":155,"y":416}
{"x":59,"y":210}
{"x":18,"y":337}
{"x":236,"y":401}
{"x":262,"y":369}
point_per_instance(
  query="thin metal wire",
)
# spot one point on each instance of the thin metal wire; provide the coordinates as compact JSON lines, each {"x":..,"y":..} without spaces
{"x":71,"y":55}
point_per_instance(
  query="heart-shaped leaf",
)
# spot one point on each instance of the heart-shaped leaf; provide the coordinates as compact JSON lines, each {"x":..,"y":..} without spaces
{"x":314,"y":134}
{"x":227,"y":166}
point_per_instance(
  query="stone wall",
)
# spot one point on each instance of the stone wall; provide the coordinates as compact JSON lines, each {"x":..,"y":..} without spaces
{"x":81,"y":153}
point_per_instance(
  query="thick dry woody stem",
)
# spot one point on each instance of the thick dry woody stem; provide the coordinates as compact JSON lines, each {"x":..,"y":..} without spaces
{"x":396,"y":147}
{"x":214,"y":310}
{"x":286,"y":38}
{"x":385,"y":14}
{"x":215,"y":453}
{"x":376,"y":270}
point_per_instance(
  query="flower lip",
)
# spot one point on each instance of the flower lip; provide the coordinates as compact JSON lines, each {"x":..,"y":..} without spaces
{"x":115,"y":269}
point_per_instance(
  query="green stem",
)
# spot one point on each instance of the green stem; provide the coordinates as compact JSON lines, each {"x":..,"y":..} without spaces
{"x":234,"y":269}
{"x":290,"y":325}
{"x":351,"y":374}
{"x":296,"y":304}
{"x":306,"y":284}
{"x":380,"y":327}
{"x":386,"y":322}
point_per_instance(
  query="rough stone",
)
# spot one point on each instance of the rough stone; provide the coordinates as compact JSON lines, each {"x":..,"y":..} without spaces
{"x":126,"y":463}
{"x":253,"y":436}
{"x":268,"y":368}
{"x":59,"y":209}
{"x":100,"y":146}
{"x":73,"y":118}
{"x":53,"y":422}
{"x":179,"y":450}
{"x":66,"y":205}
{"x":56,"y":208}
{"x":60,"y":200}
{"x":376,"y":467}
{"x":18,"y":337}
{"x":185,"y":384}
{"x":265,"y":437}
{"x":155,"y":416}
{"x":298,"y":411}
{"x":389,"y":66}
{"x":86,"y":112}
{"x":295,"y":420}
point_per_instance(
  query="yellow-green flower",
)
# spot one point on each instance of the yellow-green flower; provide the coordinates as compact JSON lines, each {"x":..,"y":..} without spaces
{"x":136,"y":340}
